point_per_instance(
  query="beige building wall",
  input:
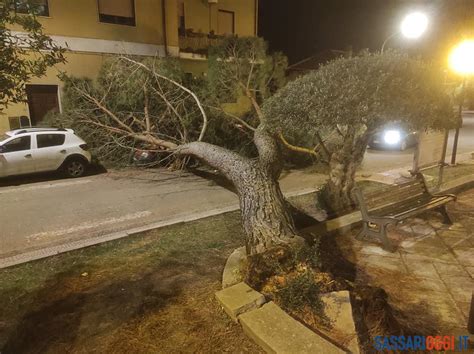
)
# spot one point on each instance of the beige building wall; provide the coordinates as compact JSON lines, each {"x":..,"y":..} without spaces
{"x":80,"y":18}
{"x":75,"y":23}
{"x":202,"y":16}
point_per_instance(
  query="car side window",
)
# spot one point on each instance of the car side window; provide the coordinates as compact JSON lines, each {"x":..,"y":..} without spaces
{"x":18,"y":144}
{"x":47,"y":140}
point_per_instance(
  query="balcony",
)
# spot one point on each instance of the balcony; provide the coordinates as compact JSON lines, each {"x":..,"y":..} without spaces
{"x":197,"y":43}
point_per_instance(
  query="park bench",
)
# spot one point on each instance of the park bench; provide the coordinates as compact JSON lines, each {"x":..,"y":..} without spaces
{"x":394,"y":203}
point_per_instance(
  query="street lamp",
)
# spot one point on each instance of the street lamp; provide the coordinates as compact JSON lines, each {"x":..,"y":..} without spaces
{"x":461,"y":61}
{"x":413,"y":26}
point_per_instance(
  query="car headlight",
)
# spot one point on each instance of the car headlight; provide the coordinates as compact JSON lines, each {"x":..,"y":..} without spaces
{"x":392,"y":137}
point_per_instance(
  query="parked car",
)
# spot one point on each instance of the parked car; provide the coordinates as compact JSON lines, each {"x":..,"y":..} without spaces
{"x":31,"y":150}
{"x":393,"y":137}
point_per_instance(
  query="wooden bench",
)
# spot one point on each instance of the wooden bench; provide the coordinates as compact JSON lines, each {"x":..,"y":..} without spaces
{"x":394,"y":203}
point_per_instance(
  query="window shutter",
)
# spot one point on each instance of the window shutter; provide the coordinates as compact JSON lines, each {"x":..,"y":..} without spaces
{"x":121,"y":8}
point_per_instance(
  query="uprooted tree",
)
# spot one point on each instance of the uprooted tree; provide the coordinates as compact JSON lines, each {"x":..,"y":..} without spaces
{"x":25,"y":51}
{"x":348,"y":99}
{"x":165,"y":118}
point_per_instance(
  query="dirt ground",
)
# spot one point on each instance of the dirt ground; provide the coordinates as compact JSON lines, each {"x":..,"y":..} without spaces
{"x":148,"y":293}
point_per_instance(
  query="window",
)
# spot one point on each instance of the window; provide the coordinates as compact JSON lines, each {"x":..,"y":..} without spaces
{"x":38,"y":7}
{"x":18,"y":144}
{"x":121,"y":12}
{"x":19,"y":122}
{"x":225,"y":23}
{"x":181,"y":18}
{"x":47,"y":140}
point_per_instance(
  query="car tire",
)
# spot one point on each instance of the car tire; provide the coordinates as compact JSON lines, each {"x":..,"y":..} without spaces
{"x":74,"y":168}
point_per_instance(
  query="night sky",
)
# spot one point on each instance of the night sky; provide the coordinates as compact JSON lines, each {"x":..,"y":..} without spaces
{"x":302,"y":28}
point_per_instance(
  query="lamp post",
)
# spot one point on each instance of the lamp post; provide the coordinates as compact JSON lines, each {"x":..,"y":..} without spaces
{"x":413,"y":26}
{"x":461,"y":61}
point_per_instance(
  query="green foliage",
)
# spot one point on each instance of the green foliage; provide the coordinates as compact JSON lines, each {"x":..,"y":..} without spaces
{"x":243,"y":62}
{"x":120,"y":86}
{"x":349,"y":99}
{"x":123,"y":88}
{"x":299,"y":292}
{"x":310,"y":255}
{"x":364,"y":92}
{"x":23,"y":57}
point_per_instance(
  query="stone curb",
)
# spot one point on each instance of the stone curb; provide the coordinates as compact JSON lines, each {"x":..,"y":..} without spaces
{"x":269,"y":326}
{"x":29,"y":256}
{"x":260,"y":320}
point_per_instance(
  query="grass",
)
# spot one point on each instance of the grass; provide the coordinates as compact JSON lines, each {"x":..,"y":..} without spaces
{"x":147,"y":293}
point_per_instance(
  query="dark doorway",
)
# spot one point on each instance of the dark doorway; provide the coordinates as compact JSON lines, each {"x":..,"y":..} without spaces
{"x":41,"y":100}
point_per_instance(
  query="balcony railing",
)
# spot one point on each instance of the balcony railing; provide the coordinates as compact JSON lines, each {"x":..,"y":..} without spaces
{"x":198,"y":43}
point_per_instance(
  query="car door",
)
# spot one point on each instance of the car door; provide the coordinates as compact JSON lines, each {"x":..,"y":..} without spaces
{"x":50,"y":152}
{"x":16,"y":157}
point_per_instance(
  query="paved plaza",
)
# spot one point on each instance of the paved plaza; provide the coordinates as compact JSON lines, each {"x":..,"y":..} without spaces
{"x":430,"y":278}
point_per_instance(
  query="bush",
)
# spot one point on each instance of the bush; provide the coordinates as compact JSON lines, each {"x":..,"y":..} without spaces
{"x":301,"y":293}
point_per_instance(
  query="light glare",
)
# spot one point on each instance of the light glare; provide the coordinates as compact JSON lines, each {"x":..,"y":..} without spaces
{"x":392,"y":137}
{"x":414,"y":25}
{"x":461,"y":59}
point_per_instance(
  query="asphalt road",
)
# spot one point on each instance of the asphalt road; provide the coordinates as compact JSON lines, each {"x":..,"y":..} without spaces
{"x":379,"y":160}
{"x":45,"y":211}
{"x":37,"y":215}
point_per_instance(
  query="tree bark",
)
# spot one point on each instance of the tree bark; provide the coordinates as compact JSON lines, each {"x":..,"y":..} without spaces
{"x":342,"y":170}
{"x":266,"y":219}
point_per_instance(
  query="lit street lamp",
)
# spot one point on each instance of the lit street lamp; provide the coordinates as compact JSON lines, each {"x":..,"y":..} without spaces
{"x":461,"y":61}
{"x":413,"y":26}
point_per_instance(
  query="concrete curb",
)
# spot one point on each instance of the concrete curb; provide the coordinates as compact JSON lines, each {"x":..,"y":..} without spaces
{"x":272,"y":328}
{"x":29,"y":256}
{"x":268,"y":325}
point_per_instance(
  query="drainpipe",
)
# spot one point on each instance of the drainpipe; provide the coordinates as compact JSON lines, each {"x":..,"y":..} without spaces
{"x":256,"y":17}
{"x":165,"y":34}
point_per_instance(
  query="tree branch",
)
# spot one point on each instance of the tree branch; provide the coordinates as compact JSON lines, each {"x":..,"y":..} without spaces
{"x":297,"y":148}
{"x":196,"y":99}
{"x":238,"y":119}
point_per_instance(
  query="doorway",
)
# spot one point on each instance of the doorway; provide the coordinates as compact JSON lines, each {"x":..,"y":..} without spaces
{"x":41,"y":100}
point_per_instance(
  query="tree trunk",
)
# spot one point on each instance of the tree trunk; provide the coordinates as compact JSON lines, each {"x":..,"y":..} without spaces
{"x":341,"y":182}
{"x":266,"y":220}
{"x":265,"y":217}
{"x":342,"y":171}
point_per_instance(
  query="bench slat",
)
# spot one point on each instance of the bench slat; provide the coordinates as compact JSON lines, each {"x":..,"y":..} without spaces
{"x":392,"y":188}
{"x":435,"y":203}
{"x":396,"y":208}
{"x":393,"y":199}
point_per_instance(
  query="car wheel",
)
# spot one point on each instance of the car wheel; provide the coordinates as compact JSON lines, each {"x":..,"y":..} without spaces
{"x":74,"y":168}
{"x":403,"y":145}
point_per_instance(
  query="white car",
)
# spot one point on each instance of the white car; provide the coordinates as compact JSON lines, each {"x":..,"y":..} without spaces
{"x":32,"y":150}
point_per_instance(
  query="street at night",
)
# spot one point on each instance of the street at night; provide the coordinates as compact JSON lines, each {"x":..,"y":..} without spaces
{"x":236,"y":176}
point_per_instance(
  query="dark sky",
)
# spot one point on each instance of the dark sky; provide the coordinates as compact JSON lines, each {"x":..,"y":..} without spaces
{"x":301,"y":28}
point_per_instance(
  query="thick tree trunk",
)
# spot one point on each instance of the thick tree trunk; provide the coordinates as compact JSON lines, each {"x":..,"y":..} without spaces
{"x":342,"y":171}
{"x":266,"y":220}
{"x":341,"y":182}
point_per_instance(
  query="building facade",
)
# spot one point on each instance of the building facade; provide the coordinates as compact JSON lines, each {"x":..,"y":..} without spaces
{"x":93,"y":30}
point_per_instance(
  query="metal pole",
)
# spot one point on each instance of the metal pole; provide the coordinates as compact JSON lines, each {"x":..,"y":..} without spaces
{"x":456,"y":135}
{"x":470,"y":323}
